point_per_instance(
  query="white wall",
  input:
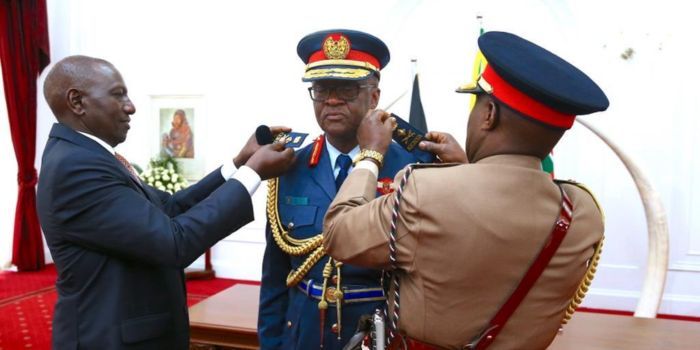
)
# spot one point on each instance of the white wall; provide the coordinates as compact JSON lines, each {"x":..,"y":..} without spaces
{"x":241,"y":57}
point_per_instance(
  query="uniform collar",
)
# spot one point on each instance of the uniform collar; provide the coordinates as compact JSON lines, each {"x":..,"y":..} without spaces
{"x":513,"y":159}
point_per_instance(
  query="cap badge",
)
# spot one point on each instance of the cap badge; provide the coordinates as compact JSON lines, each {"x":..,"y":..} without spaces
{"x":336,"y":49}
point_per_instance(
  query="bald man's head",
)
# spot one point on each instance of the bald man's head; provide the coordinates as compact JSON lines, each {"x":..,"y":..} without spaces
{"x":89,"y":95}
{"x":72,"y":72}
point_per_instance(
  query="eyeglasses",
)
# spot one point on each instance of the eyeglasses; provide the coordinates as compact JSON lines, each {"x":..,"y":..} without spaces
{"x":344,"y":92}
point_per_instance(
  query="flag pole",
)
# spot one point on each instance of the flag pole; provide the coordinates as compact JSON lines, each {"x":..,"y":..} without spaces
{"x":414,"y":68}
{"x":386,"y":108}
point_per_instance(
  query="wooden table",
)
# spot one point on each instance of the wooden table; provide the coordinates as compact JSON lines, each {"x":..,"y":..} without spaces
{"x":228,"y":320}
{"x":589,"y":331}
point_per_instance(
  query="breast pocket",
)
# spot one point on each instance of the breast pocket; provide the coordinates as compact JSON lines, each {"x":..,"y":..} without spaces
{"x":301,"y":219}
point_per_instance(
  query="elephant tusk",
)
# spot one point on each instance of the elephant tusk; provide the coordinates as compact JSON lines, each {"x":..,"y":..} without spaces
{"x":657,"y":229}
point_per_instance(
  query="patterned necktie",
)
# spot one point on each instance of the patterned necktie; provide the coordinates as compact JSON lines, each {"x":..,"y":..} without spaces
{"x":127,"y":165}
{"x":343,"y":162}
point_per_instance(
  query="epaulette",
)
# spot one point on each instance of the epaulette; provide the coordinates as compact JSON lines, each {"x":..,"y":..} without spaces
{"x":586,"y":189}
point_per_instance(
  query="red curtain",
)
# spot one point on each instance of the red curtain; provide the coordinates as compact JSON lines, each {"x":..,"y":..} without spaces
{"x":24,"y":52}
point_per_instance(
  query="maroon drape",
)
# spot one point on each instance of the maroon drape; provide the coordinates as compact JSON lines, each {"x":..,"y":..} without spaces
{"x":24,"y":52}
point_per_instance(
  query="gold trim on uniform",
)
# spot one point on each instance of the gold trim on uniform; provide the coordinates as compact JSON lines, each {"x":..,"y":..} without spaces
{"x":585,"y":282}
{"x":348,"y":73}
{"x":350,"y":63}
{"x":592,"y":263}
{"x":289,"y":244}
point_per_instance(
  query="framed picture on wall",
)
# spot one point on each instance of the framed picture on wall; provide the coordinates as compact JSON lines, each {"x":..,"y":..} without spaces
{"x":179,"y":127}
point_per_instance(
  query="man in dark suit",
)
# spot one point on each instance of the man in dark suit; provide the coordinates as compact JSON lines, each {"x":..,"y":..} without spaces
{"x":307,"y":300}
{"x":119,"y":245}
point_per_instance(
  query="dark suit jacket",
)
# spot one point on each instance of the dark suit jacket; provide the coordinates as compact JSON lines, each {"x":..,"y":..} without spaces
{"x":120,"y":246}
{"x":287,"y":318}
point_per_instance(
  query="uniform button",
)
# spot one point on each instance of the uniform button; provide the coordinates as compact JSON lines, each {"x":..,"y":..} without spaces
{"x":334,"y":279}
{"x":290,"y":225}
{"x":334,"y":328}
{"x":289,"y":324}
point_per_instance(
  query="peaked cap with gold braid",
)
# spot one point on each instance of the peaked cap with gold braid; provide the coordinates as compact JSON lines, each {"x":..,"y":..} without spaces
{"x":342,"y":54}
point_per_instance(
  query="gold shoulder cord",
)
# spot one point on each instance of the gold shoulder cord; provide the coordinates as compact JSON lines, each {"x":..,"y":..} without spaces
{"x":592,"y":264}
{"x":288,"y":244}
{"x":585,"y":283}
{"x":299,"y":247}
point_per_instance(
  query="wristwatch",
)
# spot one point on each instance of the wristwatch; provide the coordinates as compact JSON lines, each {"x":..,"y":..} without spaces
{"x":368,"y":153}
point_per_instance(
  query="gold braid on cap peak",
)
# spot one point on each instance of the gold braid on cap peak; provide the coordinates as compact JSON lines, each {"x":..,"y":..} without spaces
{"x":289,"y":244}
{"x":348,"y":63}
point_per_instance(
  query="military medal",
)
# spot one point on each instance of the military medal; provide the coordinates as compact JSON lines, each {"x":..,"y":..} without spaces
{"x":384,"y":185}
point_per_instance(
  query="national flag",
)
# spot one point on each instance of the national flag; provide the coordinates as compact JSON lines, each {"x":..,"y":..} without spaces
{"x":416,"y":116}
{"x":479,"y":66}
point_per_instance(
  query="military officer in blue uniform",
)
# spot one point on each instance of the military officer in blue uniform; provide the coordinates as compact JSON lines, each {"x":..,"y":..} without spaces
{"x":307,"y":299}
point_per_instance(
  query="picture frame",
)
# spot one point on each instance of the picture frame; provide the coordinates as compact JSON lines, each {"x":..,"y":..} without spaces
{"x":178,"y":124}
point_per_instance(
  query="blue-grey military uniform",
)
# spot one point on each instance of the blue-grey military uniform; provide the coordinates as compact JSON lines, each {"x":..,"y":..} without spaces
{"x":289,"y":317}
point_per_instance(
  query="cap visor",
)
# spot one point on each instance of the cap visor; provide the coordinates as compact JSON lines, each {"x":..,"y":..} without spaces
{"x":471,"y":88}
{"x":338,"y":73}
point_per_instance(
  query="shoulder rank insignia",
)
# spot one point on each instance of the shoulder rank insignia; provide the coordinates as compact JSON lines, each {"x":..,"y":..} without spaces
{"x":408,"y":136}
{"x":291,"y":139}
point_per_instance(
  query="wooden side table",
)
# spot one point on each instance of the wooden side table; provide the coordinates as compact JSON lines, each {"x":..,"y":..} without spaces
{"x":199,"y":274}
{"x":226,"y":320}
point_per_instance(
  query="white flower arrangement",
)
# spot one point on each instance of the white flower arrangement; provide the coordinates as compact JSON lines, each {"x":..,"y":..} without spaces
{"x":163,"y":174}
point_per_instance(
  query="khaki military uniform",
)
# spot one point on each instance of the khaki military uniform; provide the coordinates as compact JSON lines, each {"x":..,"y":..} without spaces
{"x":466,"y":236}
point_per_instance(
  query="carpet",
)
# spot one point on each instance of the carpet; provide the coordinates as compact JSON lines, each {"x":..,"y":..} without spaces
{"x":27,"y":301}
{"x":13,"y":284}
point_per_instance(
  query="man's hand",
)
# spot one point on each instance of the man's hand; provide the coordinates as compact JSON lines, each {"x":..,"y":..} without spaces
{"x":375,"y":131}
{"x":444,"y":146}
{"x":252,"y":146}
{"x":271,"y":160}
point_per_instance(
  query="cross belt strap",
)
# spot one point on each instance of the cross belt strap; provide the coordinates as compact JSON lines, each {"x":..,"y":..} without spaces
{"x":561,"y":227}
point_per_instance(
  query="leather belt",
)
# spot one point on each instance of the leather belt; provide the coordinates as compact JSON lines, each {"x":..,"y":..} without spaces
{"x":350,"y":295}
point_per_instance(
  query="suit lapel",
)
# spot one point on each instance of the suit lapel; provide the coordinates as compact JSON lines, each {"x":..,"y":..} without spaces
{"x":322,"y":173}
{"x":135,"y":184}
